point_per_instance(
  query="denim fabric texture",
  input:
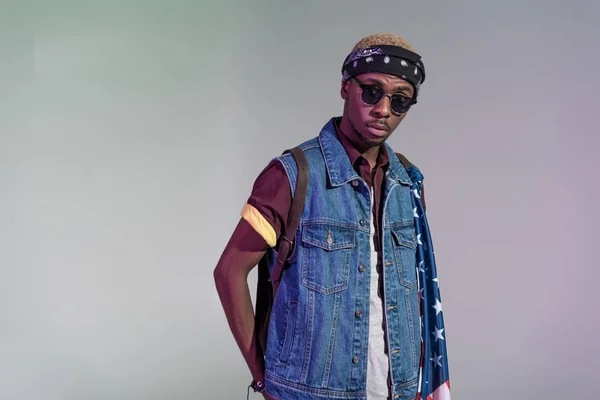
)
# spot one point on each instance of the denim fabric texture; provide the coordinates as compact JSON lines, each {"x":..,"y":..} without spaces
{"x":319,"y":329}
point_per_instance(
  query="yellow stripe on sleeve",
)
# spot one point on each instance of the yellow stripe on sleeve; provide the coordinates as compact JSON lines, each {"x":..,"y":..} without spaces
{"x":259,"y":223}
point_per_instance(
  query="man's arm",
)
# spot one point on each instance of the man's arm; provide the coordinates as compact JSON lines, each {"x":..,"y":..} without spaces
{"x":242,"y":253}
{"x":263,"y":219}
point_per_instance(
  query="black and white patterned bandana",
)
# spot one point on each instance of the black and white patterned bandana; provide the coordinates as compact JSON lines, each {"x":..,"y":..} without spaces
{"x":393,"y":60}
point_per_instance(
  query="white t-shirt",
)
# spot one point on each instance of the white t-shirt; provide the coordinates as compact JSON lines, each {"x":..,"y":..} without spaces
{"x":378,"y":363}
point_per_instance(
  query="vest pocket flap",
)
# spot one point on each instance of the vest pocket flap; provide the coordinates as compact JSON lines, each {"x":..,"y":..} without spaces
{"x":328,"y":237}
{"x":405,"y":236}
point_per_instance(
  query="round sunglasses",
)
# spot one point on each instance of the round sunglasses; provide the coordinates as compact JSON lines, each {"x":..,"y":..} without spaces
{"x":372,"y":95}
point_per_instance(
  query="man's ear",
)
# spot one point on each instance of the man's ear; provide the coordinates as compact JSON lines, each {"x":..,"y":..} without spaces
{"x":345,"y":90}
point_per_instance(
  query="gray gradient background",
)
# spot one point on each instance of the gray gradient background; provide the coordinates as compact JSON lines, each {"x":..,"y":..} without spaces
{"x":131,"y":134}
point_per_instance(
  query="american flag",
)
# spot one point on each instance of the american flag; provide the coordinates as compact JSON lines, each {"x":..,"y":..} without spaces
{"x":434,"y":380}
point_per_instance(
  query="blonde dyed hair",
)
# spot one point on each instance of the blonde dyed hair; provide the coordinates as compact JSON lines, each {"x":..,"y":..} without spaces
{"x":383,"y":39}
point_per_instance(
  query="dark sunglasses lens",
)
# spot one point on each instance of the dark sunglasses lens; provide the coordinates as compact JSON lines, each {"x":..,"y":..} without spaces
{"x":401,"y":104}
{"x":371,"y":94}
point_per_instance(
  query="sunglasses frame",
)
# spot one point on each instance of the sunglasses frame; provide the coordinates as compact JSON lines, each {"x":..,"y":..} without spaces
{"x":364,"y":86}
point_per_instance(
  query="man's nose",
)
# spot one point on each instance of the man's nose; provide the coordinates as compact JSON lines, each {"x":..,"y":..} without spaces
{"x":383,"y":107}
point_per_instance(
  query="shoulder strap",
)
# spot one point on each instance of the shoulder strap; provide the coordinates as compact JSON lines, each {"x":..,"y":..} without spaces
{"x":407,"y":164}
{"x":293,"y":221}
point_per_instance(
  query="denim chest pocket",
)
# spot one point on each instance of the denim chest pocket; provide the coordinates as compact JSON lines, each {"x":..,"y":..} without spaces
{"x":405,"y":251}
{"x":326,"y":257}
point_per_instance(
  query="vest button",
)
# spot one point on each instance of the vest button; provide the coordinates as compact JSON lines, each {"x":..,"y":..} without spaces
{"x":358,"y":314}
{"x":362,"y":268}
{"x":354,"y":360}
{"x":362,"y":222}
{"x":355,"y":183}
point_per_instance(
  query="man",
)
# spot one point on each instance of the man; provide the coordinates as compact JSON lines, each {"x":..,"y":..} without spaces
{"x":346,"y":322}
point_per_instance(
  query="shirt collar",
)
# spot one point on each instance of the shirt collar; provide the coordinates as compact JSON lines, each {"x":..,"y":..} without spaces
{"x":354,"y":154}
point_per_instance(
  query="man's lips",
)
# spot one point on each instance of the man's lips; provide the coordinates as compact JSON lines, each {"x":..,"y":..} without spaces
{"x":378,"y":126}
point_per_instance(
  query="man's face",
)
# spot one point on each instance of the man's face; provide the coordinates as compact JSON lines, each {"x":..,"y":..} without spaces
{"x":370,"y":125}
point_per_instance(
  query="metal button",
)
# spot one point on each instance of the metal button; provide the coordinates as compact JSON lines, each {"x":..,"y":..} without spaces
{"x":355,"y":360}
{"x":358,"y":314}
{"x":355,"y":183}
{"x":362,"y":222}
{"x":362,"y":268}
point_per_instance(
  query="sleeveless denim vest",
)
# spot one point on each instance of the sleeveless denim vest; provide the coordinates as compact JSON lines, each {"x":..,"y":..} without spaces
{"x":318,"y":335}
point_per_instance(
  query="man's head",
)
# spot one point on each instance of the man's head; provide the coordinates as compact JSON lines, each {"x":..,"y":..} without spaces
{"x":381,"y":80}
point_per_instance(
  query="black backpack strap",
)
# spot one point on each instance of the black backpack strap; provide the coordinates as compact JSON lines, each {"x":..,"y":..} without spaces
{"x":266,"y":288}
{"x":407,"y":164}
{"x":291,"y":227}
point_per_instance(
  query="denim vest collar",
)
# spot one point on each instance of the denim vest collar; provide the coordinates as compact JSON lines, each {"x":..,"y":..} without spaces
{"x":339,"y":169}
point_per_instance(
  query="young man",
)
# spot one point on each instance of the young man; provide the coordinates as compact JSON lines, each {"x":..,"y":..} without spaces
{"x":357,"y":313}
